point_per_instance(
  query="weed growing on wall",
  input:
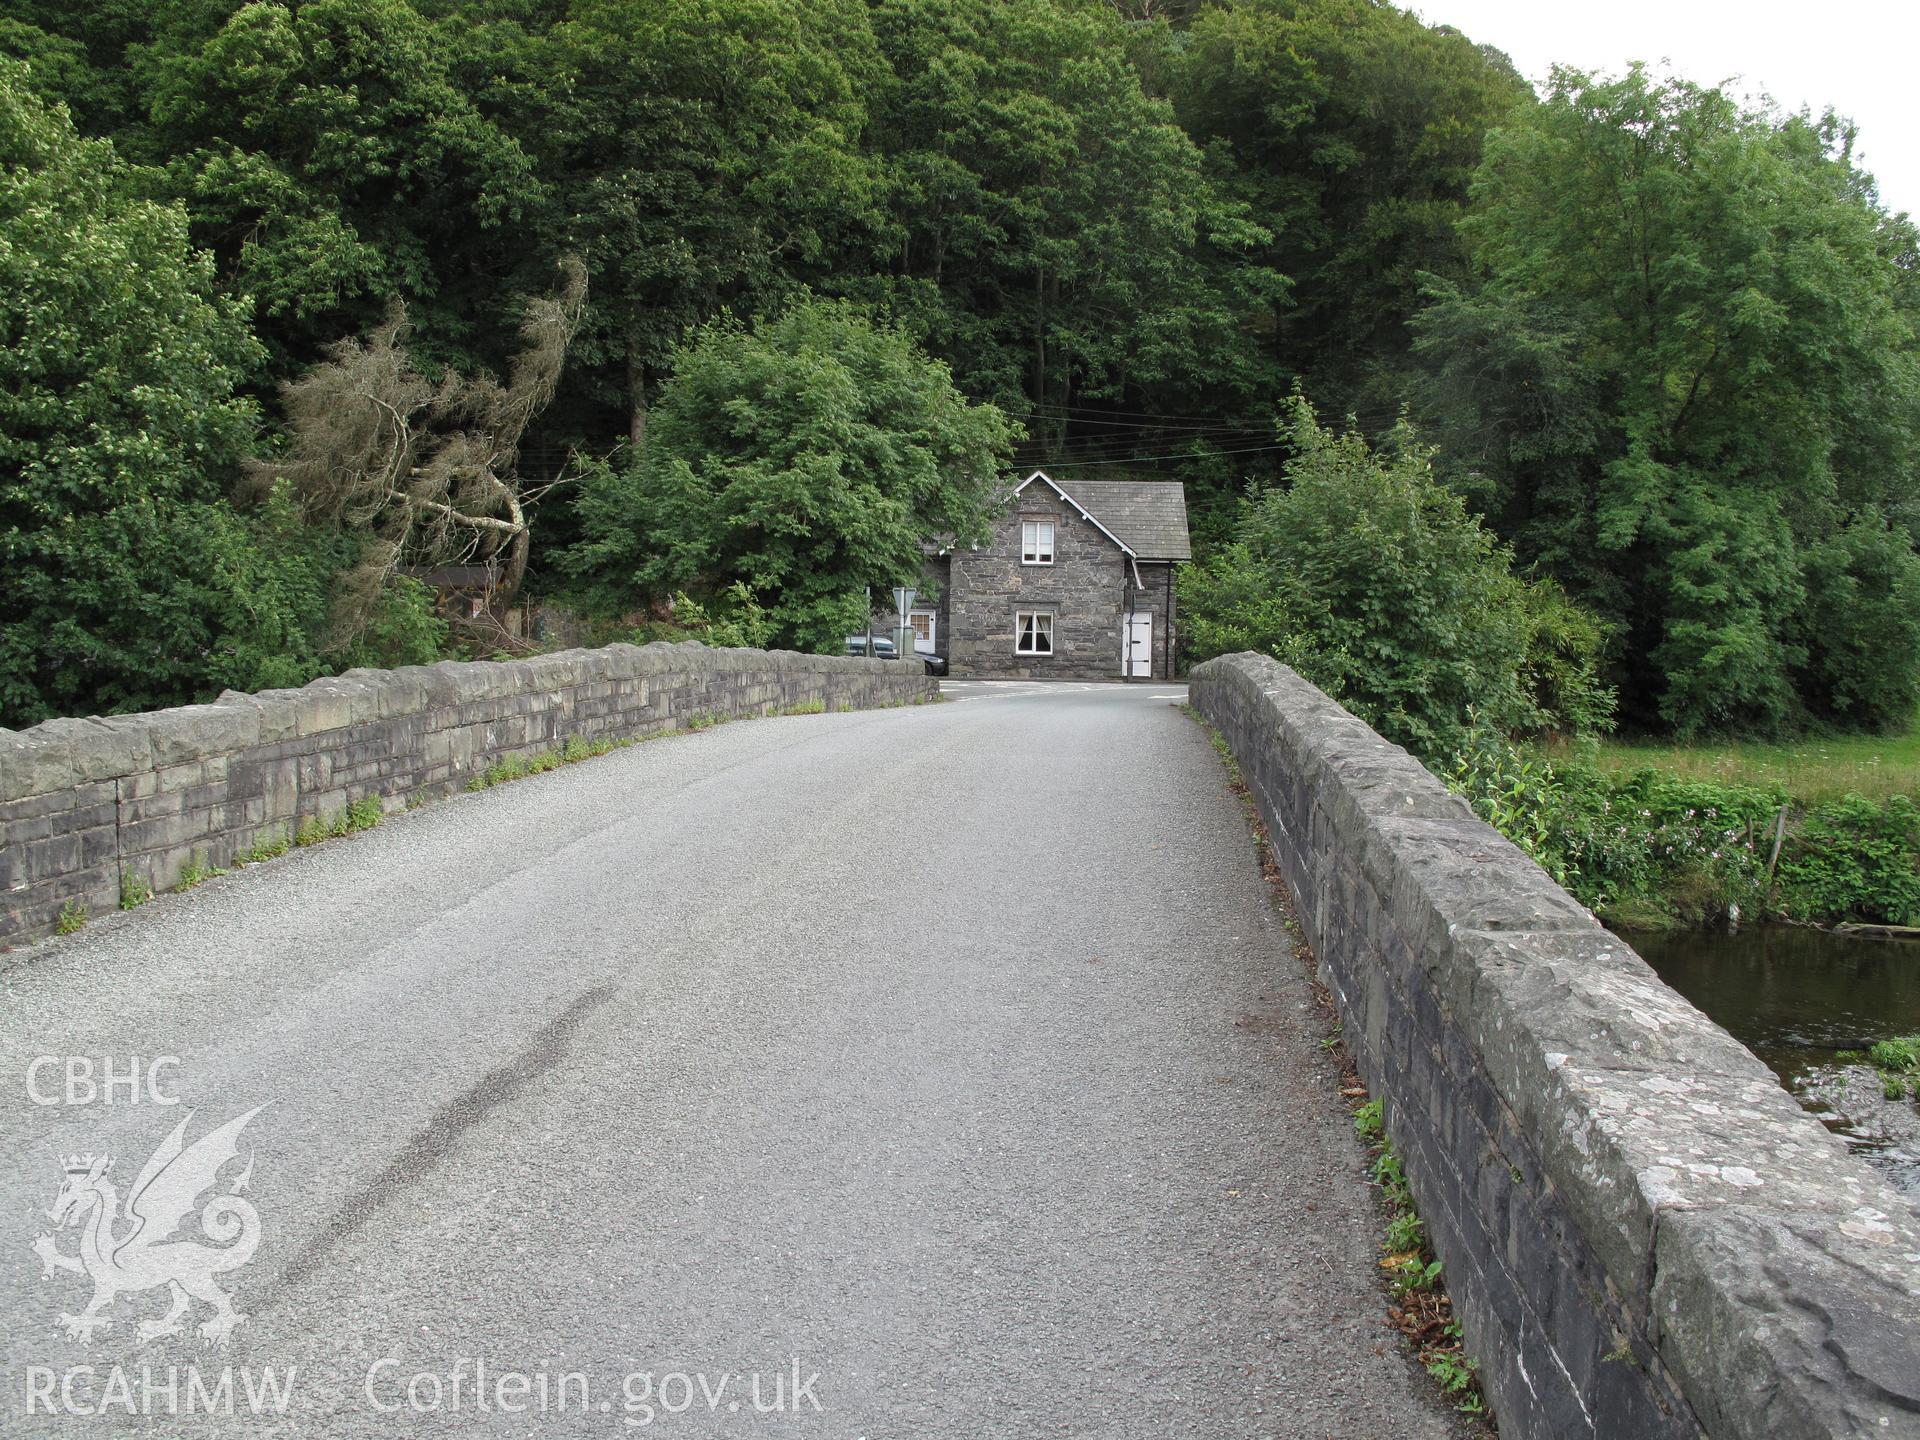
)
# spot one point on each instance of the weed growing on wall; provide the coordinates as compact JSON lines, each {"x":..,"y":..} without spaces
{"x":135,"y":891}
{"x":271,"y":844}
{"x":1422,"y":1310}
{"x":72,"y":918}
{"x":195,"y":872}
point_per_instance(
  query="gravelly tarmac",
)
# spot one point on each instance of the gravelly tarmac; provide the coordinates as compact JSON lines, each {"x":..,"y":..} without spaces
{"x":950,"y":1053}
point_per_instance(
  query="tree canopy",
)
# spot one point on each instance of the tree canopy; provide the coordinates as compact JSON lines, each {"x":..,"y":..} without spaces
{"x":119,"y":425}
{"x":807,"y":458}
{"x":1685,"y":367}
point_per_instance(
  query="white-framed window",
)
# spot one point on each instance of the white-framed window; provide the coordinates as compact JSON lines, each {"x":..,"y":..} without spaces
{"x":1033,"y":632}
{"x":923,"y":630}
{"x":1036,"y":542}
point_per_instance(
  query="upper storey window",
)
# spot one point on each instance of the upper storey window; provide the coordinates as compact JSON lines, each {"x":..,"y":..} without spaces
{"x":1036,"y":542}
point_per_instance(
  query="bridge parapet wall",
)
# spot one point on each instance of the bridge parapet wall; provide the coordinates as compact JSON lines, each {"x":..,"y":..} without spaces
{"x":1644,"y":1235}
{"x":89,"y":805}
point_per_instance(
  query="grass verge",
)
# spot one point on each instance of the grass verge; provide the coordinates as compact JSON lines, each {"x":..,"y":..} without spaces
{"x":1813,"y":771}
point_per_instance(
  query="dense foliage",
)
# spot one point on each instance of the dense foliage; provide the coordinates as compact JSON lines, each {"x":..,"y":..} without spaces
{"x":129,"y":578}
{"x":1646,"y":848}
{"x":789,"y":466}
{"x":1373,"y":580}
{"x":1664,"y":345}
{"x":1685,"y":380}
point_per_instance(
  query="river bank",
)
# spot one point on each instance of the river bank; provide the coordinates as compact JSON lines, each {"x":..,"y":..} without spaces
{"x":1649,"y":848}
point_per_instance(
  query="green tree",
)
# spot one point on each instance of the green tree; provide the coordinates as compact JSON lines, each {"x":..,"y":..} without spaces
{"x":1051,"y":231}
{"x":806,"y":457}
{"x":130,"y":581}
{"x":1372,"y":579}
{"x":78,"y":55}
{"x":1688,"y":360}
{"x":707,"y":156}
{"x":332,"y":165}
{"x":1860,"y":627}
{"x":1352,"y":132}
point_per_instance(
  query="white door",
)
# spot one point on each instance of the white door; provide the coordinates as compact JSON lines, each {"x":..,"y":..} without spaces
{"x":1138,"y":656}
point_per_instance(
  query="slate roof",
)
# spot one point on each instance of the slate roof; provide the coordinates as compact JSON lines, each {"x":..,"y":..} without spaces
{"x":1149,"y":517}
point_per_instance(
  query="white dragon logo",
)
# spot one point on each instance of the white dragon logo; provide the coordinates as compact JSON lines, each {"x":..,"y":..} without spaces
{"x":136,"y":1252}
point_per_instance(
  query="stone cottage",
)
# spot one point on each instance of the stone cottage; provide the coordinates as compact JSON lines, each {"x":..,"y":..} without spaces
{"x":1075,"y":583}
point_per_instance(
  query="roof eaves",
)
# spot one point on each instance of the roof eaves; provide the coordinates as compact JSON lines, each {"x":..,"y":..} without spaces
{"x":1085,"y":514}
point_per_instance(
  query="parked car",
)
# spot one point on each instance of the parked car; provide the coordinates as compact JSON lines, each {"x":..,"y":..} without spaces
{"x":936,"y":664}
{"x":882,"y":647}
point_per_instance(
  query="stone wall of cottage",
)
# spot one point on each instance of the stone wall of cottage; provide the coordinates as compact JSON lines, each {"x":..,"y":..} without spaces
{"x":1084,"y":589}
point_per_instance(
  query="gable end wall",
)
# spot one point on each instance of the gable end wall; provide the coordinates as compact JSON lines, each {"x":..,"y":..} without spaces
{"x":1084,"y":588}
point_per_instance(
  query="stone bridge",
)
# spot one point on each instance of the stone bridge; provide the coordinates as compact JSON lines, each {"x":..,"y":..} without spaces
{"x":873,"y":1068}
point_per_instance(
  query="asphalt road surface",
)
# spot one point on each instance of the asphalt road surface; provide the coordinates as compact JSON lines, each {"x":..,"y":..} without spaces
{"x":924,"y":1072}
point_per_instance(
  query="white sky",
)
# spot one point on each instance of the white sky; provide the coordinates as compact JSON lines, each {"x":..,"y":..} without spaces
{"x":1861,"y":57}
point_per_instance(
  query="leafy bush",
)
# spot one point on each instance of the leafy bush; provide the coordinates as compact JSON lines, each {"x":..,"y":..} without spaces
{"x":1560,"y":670}
{"x":1694,"y":849}
{"x":1639,"y":846}
{"x":401,"y":629}
{"x":1648,"y":847}
{"x":806,"y":456}
{"x":732,"y":618}
{"x":1515,"y":792}
{"x":1855,"y":860}
{"x":1373,"y":580}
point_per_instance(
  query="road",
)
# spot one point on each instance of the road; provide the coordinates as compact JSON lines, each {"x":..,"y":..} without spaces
{"x":924,"y":1072}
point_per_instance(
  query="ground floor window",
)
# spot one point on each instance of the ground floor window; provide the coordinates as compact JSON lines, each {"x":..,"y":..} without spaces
{"x":1033,"y":632}
{"x":923,"y":629}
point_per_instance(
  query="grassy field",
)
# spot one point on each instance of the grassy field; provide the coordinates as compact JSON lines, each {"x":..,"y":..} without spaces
{"x":1813,"y":770}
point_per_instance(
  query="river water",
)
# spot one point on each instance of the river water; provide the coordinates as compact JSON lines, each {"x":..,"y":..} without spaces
{"x":1795,"y":997}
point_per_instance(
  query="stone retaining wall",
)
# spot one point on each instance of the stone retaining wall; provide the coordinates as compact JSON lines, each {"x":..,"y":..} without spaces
{"x":89,"y":805}
{"x":1643,"y":1234}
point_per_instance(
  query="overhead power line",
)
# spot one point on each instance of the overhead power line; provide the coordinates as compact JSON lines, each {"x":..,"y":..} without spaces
{"x":1181,"y":428}
{"x":1093,"y":411}
{"x":1065,"y":464}
{"x":1200,"y":447}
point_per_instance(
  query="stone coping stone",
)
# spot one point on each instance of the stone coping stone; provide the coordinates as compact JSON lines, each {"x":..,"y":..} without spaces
{"x":59,"y":754}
